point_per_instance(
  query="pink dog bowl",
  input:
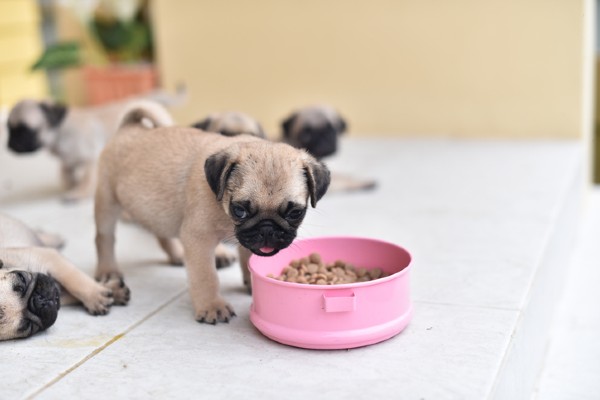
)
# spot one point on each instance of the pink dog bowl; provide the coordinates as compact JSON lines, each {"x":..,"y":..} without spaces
{"x":332,"y":316}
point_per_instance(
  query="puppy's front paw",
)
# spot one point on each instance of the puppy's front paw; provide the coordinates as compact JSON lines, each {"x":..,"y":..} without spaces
{"x":98,"y":301}
{"x":120,"y":292}
{"x":217,"y":311}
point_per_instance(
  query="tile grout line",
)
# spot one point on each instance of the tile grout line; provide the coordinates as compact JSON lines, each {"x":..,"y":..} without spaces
{"x":104,"y":346}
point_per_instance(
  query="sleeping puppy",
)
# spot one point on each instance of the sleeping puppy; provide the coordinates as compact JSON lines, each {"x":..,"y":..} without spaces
{"x":231,"y":123}
{"x":35,"y":280}
{"x":75,"y":135}
{"x":317,"y":129}
{"x":202,"y":189}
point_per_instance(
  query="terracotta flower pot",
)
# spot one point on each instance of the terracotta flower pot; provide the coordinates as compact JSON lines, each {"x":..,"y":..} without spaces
{"x":114,"y":82}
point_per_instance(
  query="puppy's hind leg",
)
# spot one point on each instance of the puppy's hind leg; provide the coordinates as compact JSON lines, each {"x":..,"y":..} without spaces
{"x":244,"y":258}
{"x":84,"y":186}
{"x":173,"y":248}
{"x":50,"y":239}
{"x":106,"y":214}
{"x":223,"y":256}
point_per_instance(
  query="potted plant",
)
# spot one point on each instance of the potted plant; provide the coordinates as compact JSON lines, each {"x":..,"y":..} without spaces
{"x":114,"y":51}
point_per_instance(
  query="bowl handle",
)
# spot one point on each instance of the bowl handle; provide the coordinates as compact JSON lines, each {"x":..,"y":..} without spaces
{"x":339,"y":301}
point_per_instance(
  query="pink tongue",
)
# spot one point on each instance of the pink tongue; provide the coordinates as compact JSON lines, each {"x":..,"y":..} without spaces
{"x":266,"y":250}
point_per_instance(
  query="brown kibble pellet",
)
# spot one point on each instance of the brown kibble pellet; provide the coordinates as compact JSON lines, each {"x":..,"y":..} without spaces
{"x":375,"y":273}
{"x":360,"y":272}
{"x":312,"y":268}
{"x":321,"y":282}
{"x":315,"y":258}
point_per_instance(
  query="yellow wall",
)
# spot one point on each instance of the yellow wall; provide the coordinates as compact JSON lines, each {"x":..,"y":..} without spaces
{"x":496,"y":68}
{"x":20,"y":46}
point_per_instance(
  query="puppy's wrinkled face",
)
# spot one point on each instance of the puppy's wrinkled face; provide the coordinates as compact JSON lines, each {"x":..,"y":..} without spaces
{"x":315,"y":129}
{"x":265,"y":187}
{"x":29,"y":303}
{"x":30,"y":124}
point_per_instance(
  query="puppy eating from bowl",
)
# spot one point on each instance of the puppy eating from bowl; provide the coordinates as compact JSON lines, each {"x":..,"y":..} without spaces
{"x":201,"y":190}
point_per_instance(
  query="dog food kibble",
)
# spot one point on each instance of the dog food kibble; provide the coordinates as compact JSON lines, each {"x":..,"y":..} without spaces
{"x":312,"y":270}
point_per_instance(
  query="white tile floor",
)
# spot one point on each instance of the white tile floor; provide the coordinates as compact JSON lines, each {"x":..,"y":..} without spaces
{"x":476,"y":216}
{"x":572,"y":368}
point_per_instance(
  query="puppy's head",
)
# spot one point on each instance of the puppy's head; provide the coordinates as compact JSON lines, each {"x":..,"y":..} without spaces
{"x":315,"y":129}
{"x":31,"y":125}
{"x":265,"y":189}
{"x":231,"y":123}
{"x":29,"y":303}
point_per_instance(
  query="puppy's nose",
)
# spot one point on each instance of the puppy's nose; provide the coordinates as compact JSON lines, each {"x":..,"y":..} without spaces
{"x":45,"y":300}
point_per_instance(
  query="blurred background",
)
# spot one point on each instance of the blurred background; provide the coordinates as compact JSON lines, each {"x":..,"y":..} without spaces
{"x":493,"y":69}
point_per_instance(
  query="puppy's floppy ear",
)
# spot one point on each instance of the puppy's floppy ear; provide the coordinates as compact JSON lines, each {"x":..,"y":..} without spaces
{"x":55,"y":113}
{"x":287,"y":125}
{"x":204,"y":124}
{"x":317,"y":178}
{"x":218,"y":168}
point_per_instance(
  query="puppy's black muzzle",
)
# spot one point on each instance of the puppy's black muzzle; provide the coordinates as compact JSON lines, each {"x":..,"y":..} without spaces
{"x":44,"y":302}
{"x":23,"y":139}
{"x":264,"y":235}
{"x":322,"y":143}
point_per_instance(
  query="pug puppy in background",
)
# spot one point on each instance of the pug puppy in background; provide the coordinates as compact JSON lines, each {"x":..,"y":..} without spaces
{"x":75,"y":135}
{"x":317,"y":129}
{"x":202,"y":189}
{"x":231,"y":123}
{"x":314,"y":128}
{"x":35,"y":280}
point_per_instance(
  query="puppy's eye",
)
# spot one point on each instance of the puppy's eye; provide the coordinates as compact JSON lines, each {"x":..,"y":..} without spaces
{"x":295,"y":215}
{"x":19,"y":289}
{"x":20,"y":286}
{"x":240,"y":212}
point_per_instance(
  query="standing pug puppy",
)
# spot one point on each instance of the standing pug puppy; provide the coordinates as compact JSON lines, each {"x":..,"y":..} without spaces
{"x":35,"y":280}
{"x":202,"y":189}
{"x":75,"y":135}
{"x":231,"y":123}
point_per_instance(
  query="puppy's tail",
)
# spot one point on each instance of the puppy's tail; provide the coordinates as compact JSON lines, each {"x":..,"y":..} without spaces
{"x":147,"y":113}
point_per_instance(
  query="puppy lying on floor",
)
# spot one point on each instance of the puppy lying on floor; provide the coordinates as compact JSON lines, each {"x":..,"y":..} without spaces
{"x":35,"y":280}
{"x":231,"y":123}
{"x":202,"y":189}
{"x":75,"y":135}
{"x":315,"y":129}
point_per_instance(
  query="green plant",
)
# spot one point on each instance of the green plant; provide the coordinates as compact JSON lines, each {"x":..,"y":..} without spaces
{"x":115,"y":31}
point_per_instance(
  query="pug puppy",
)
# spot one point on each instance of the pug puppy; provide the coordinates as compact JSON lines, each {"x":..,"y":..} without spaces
{"x":314,"y":128}
{"x":231,"y":123}
{"x":202,"y":189}
{"x":35,"y":280}
{"x":75,"y":135}
{"x":317,"y":129}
